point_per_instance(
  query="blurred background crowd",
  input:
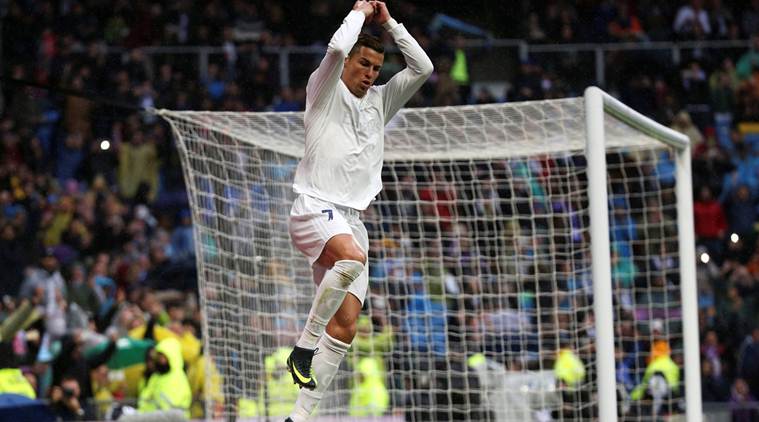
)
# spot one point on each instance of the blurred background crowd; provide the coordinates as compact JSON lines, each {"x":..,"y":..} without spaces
{"x":96,"y":242}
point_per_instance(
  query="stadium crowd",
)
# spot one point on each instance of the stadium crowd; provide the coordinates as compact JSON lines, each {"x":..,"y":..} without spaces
{"x":96,"y":243}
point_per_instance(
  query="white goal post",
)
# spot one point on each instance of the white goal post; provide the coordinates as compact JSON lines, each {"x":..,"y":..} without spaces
{"x":527,"y":260}
{"x":597,"y":104}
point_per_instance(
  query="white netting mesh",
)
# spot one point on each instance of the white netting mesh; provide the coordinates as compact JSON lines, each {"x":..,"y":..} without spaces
{"x":479,"y":264}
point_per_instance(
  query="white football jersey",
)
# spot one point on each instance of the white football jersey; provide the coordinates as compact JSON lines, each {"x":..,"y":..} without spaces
{"x":345,"y":134}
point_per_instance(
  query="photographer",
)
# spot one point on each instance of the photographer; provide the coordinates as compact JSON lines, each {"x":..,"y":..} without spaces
{"x":65,"y":399}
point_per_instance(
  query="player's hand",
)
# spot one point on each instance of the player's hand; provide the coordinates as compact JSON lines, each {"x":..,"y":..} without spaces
{"x":382,"y":14}
{"x":367,"y":8}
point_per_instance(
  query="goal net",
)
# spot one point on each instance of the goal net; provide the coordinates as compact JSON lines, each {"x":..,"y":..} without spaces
{"x":482,"y":304}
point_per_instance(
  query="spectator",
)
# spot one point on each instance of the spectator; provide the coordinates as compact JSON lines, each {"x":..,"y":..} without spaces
{"x":748,"y":361}
{"x":714,"y":388}
{"x":72,"y":364}
{"x":290,"y":100}
{"x":460,"y":69}
{"x":695,"y":87}
{"x":712,"y":350}
{"x":692,"y":21}
{"x":67,"y":401}
{"x":683,"y":124}
{"x":743,"y":402}
{"x":45,"y":286}
{"x":214,"y":83}
{"x":750,"y":59}
{"x":603,"y":14}
{"x":569,"y":369}
{"x":534,"y":31}
{"x":723,"y":23}
{"x":743,"y":173}
{"x":740,"y":209}
{"x":710,"y":222}
{"x":425,"y":324}
{"x":167,"y":388}
{"x":446,"y":90}
{"x":81,"y":290}
{"x":485,"y":96}
{"x":138,"y":168}
{"x":661,"y":378}
{"x":370,"y":396}
{"x":735,"y":316}
{"x":102,"y":395}
{"x":625,"y":26}
{"x":282,"y":392}
{"x":198,"y":373}
{"x":12,"y":381}
{"x":624,"y":367}
{"x":77,"y":110}
{"x":71,"y":154}
{"x":527,"y":84}
{"x":723,"y":87}
{"x":372,"y":338}
{"x":750,"y":21}
{"x":12,"y":258}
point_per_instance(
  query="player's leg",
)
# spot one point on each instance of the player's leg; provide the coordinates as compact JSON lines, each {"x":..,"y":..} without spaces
{"x":341,"y":329}
{"x":332,"y":346}
{"x":345,"y":261}
{"x":322,"y":233}
{"x":343,"y":325}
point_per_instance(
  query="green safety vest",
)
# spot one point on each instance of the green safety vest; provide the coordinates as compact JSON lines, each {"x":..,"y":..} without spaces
{"x":370,"y":397}
{"x":476,"y":360}
{"x":569,"y":368}
{"x":664,"y":365}
{"x":459,"y":71}
{"x":14,"y":382}
{"x":280,"y":390}
{"x":170,"y":390}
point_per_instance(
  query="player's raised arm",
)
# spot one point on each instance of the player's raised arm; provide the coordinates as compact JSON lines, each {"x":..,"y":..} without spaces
{"x":322,"y":82}
{"x":405,"y":83}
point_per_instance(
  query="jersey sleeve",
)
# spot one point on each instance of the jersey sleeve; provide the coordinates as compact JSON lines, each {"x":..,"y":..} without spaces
{"x":405,"y":83}
{"x":322,"y":82}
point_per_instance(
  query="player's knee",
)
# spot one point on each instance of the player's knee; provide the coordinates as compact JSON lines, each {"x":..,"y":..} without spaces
{"x":348,"y":270}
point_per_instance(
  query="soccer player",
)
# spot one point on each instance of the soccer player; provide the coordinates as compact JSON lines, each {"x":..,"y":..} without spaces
{"x":337,"y":178}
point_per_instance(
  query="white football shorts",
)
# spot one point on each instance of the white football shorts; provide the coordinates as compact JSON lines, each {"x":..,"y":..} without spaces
{"x":313,"y":222}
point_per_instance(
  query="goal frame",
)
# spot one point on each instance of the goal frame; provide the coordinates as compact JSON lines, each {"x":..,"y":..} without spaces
{"x":597,"y":104}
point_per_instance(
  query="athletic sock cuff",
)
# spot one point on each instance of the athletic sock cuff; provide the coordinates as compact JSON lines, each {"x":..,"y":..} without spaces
{"x":334,"y":344}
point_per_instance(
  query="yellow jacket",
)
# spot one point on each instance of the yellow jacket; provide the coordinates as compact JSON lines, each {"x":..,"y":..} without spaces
{"x":170,"y":390}
{"x":569,"y":368}
{"x":14,"y":382}
{"x":662,"y":364}
{"x":280,"y":389}
{"x":370,"y":396}
{"x":196,"y":374}
{"x":137,"y":164}
{"x":190,"y":344}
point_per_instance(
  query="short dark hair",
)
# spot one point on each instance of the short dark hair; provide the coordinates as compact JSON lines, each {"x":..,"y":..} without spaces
{"x":368,"y":41}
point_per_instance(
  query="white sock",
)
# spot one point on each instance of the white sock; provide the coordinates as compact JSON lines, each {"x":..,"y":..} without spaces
{"x":329,"y":297}
{"x":324,"y":366}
